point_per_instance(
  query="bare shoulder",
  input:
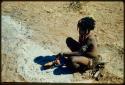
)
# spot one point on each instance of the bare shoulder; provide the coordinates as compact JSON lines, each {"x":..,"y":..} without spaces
{"x":92,"y":43}
{"x":92,"y":38}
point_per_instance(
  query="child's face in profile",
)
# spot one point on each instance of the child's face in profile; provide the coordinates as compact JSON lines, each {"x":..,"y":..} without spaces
{"x":84,"y":32}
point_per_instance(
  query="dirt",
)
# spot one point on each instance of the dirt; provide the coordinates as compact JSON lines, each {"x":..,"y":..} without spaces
{"x":31,"y":29}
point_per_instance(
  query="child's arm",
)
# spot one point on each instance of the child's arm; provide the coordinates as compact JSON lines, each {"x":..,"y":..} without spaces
{"x":68,"y":54}
{"x":72,"y":54}
{"x":92,"y":48}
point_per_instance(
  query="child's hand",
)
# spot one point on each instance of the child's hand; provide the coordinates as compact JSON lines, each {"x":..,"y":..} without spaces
{"x":57,"y":62}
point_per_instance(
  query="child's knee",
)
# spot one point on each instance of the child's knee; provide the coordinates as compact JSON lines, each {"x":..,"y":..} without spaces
{"x":68,"y":40}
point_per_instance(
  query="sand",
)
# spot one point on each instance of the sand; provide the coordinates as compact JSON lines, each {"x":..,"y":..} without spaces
{"x":32,"y":29}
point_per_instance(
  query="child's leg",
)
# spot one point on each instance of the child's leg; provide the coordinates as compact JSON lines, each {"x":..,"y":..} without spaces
{"x":80,"y":60}
{"x":77,"y":60}
{"x":72,"y":44}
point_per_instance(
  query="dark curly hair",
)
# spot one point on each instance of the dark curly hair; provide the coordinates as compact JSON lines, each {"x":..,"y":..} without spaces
{"x":86,"y":23}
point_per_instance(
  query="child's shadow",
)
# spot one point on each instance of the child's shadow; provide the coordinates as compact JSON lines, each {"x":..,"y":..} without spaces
{"x":44,"y":59}
{"x":58,"y":69}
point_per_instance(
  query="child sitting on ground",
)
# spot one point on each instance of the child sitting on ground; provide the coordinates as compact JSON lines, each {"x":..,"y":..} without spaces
{"x":83,"y":52}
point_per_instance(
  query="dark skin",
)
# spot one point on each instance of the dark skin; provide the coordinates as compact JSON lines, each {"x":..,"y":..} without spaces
{"x":85,"y":35}
{"x":83,"y":52}
{"x":76,"y":56}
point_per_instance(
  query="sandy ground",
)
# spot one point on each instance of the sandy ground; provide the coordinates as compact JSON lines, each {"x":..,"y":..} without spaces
{"x":32,"y":29}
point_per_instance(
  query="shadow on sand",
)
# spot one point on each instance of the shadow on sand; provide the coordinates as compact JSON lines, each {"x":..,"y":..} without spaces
{"x":58,"y":69}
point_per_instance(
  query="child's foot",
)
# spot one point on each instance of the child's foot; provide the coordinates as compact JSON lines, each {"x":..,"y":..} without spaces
{"x":92,"y":63}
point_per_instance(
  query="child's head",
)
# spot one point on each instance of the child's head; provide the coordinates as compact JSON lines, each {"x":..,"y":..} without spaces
{"x":85,"y":25}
